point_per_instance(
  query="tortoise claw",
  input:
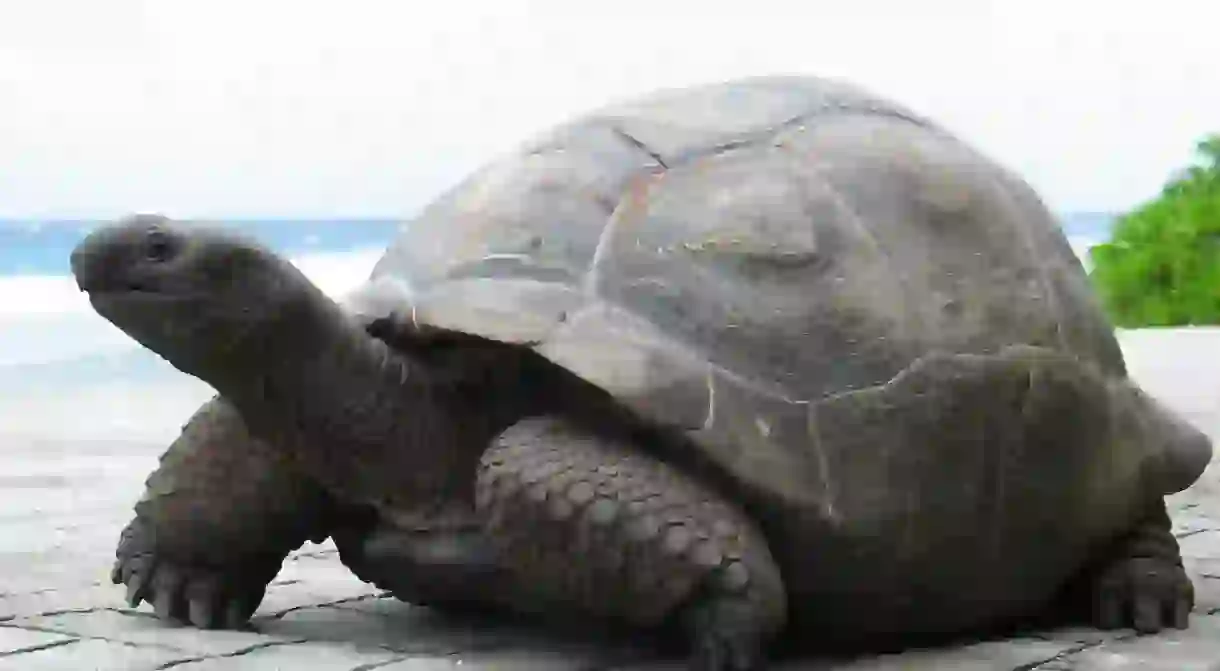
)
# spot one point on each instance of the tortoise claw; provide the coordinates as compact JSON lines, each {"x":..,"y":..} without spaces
{"x":203,"y":595}
{"x":136,"y":591}
{"x":724,"y":637}
{"x":167,"y":586}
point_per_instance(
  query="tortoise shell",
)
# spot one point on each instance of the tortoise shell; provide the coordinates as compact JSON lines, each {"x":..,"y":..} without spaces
{"x":878,"y":334}
{"x":723,"y":257}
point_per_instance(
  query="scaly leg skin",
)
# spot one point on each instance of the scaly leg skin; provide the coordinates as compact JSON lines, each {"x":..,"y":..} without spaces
{"x":1143,"y":582}
{"x":216,"y":520}
{"x":588,"y":525}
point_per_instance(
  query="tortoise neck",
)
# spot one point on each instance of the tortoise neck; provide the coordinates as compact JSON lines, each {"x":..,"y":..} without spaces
{"x":370,"y":424}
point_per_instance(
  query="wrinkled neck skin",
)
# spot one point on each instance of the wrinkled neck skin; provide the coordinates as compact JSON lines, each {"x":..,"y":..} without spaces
{"x":371,"y":425}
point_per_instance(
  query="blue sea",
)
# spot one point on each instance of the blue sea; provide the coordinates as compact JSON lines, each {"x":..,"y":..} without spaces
{"x":66,"y":372}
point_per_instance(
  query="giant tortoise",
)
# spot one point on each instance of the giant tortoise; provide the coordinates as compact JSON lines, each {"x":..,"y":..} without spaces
{"x":771,"y":356}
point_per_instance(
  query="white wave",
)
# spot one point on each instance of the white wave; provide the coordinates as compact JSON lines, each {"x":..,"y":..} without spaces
{"x":44,"y":318}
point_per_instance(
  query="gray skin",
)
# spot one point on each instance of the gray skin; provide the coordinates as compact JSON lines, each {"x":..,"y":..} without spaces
{"x":772,"y":356}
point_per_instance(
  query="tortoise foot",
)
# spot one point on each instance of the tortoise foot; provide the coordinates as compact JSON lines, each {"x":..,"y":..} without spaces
{"x":1144,"y":585}
{"x":205,"y":597}
{"x":1149,"y":593}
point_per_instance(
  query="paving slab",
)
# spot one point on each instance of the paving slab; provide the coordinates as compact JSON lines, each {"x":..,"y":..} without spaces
{"x":91,"y":654}
{"x":63,"y":502}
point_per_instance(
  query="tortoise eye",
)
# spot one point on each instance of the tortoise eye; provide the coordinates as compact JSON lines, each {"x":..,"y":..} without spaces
{"x":158,"y":246}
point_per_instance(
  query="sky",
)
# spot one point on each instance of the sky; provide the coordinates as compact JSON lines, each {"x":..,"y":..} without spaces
{"x":299,"y":108}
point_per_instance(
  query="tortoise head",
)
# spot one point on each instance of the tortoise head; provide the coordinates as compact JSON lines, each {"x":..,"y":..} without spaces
{"x":196,"y":295}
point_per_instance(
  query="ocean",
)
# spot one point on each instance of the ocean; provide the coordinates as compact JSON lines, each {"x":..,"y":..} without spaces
{"x":67,"y":373}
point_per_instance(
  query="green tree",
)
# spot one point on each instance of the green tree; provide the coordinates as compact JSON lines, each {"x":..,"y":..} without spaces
{"x":1161,"y":266}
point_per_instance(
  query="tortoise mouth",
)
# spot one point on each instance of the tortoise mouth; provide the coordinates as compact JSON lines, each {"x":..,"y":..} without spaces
{"x":131,"y":293}
{"x":128,"y":289}
{"x":97,"y":284}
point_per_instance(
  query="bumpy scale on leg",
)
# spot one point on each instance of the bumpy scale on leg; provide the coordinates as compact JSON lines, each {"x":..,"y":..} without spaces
{"x":217,"y":518}
{"x":1142,"y":581}
{"x":593,"y":525}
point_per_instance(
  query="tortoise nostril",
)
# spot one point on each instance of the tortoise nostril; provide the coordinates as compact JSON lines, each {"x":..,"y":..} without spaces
{"x":158,"y":246}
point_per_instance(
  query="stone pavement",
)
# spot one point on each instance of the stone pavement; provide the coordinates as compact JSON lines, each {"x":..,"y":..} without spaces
{"x":62,"y":504}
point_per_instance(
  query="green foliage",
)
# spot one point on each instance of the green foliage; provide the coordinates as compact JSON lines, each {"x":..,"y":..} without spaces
{"x":1161,"y":266}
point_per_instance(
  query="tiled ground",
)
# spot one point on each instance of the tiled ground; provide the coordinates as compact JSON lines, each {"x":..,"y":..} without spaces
{"x":62,"y":504}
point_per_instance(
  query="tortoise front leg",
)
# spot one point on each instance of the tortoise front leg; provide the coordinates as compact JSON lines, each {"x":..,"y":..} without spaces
{"x":1141,"y":581}
{"x":216,"y":520}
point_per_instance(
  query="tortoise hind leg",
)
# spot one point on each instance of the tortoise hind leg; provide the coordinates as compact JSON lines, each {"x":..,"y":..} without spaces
{"x":596,"y":527}
{"x":1141,"y":580}
{"x":217,"y":518}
